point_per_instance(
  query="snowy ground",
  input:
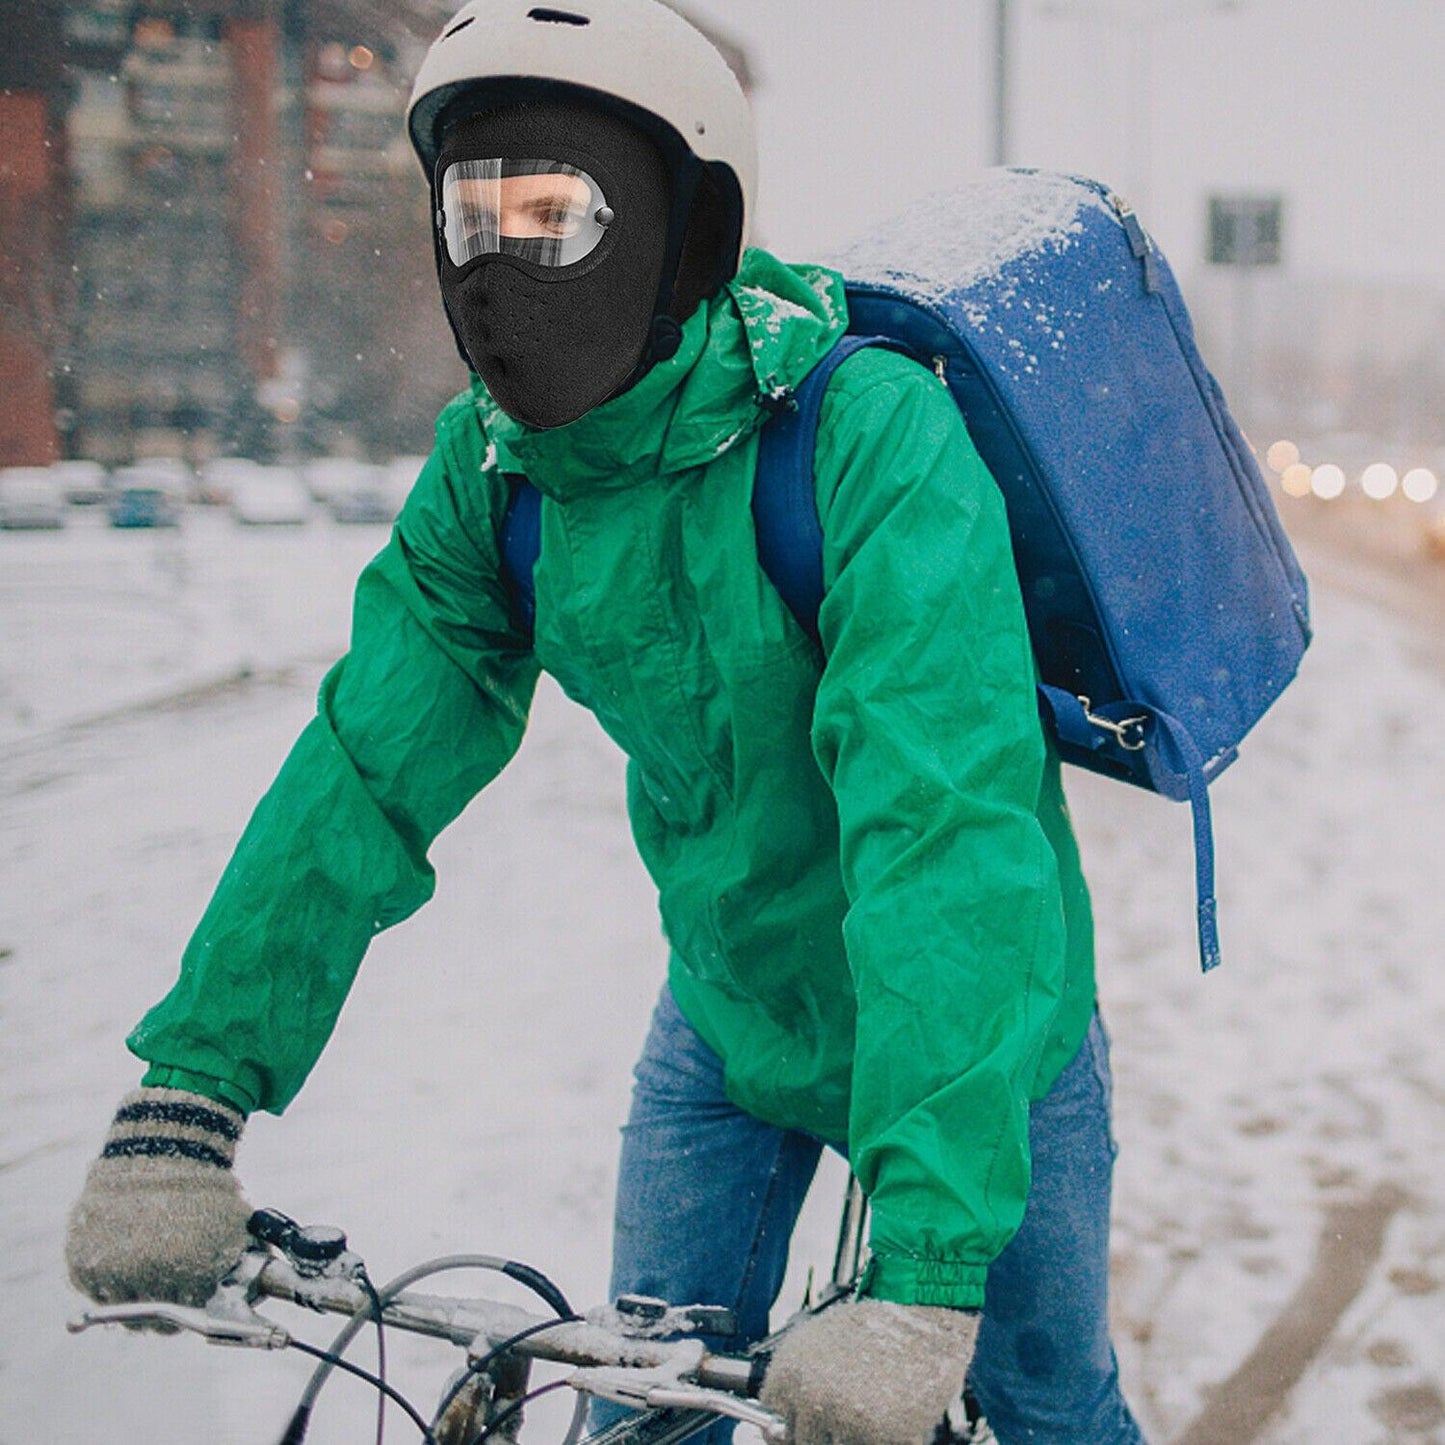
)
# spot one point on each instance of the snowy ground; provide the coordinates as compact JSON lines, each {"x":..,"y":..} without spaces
{"x":1281,"y":1188}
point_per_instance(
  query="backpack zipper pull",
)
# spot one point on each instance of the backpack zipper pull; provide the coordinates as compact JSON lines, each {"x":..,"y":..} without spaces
{"x":1138,"y":241}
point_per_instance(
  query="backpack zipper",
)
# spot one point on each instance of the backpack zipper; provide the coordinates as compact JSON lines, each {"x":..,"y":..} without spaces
{"x":1143,"y":251}
{"x":1139,"y":242}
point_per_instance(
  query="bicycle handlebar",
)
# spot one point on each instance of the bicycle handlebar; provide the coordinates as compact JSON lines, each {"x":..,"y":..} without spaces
{"x":642,"y":1359}
{"x":604,"y":1339}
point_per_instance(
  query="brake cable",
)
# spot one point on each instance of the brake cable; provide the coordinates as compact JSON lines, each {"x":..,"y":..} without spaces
{"x":479,"y":1366}
{"x":296,"y":1430}
{"x":525,"y":1275}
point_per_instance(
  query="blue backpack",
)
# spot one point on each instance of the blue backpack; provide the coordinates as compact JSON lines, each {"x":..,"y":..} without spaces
{"x":1164,"y":603}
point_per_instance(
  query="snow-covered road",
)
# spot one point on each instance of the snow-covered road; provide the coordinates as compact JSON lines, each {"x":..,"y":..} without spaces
{"x":1281,"y":1188}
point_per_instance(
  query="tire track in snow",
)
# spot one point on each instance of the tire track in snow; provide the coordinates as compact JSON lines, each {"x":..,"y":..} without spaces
{"x":29,"y":764}
{"x":1350,"y":1245}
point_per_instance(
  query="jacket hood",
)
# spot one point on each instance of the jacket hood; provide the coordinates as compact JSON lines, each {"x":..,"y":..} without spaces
{"x":760,"y":335}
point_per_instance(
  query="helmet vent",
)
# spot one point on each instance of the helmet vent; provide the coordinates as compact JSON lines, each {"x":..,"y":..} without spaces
{"x":462,"y":26}
{"x":558,"y":17}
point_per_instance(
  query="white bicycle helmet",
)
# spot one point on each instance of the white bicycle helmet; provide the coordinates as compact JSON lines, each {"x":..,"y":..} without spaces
{"x":636,"y":52}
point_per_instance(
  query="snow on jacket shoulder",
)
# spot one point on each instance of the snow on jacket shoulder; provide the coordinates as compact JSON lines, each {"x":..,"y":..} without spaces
{"x":863,"y":858}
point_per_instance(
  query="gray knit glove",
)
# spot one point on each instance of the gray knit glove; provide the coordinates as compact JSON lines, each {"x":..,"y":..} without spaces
{"x":161,"y":1217}
{"x":870,"y":1373}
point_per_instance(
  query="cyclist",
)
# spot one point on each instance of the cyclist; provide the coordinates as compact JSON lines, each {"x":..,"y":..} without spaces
{"x":880,"y":936}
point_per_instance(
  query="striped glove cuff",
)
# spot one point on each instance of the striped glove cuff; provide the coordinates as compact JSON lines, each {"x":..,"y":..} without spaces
{"x":161,"y":1123}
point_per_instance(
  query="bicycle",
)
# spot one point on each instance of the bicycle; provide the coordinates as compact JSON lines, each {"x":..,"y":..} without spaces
{"x":639,"y":1352}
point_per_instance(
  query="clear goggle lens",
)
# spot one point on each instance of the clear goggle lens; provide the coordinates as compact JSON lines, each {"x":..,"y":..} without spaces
{"x":544,"y":211}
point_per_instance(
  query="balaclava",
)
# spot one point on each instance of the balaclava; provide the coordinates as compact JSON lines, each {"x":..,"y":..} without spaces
{"x":551,"y":336}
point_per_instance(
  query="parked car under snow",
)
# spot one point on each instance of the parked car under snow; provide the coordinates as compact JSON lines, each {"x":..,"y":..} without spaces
{"x":141,"y":504}
{"x":149,"y":493}
{"x":85,"y":483}
{"x":270,"y":497}
{"x":365,"y":499}
{"x":30,"y":500}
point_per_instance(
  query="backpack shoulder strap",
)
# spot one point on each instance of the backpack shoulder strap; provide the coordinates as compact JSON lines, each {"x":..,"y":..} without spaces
{"x":522,"y":544}
{"x":785,"y":505}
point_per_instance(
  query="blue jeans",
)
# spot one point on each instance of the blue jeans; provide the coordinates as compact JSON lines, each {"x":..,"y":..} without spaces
{"x":708,"y":1195}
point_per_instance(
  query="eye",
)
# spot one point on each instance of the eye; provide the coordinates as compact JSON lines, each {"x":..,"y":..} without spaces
{"x":562,"y":220}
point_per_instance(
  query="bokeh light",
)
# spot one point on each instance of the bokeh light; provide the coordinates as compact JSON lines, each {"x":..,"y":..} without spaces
{"x":1420,"y":484}
{"x":1379,"y":481}
{"x":1328,"y":482}
{"x":1295,"y":480}
{"x":1282,"y":456}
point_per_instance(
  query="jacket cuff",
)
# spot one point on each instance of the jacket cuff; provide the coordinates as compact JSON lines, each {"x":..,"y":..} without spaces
{"x":163,"y":1076}
{"x":919,"y":1280}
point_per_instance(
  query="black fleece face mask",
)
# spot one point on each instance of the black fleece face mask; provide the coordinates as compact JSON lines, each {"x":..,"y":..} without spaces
{"x":553,"y":236}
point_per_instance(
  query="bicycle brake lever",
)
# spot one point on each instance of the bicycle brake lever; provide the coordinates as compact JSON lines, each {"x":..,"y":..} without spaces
{"x":226,"y":1318}
{"x":662,"y":1387}
{"x":256,"y":1332}
{"x":718,"y":1402}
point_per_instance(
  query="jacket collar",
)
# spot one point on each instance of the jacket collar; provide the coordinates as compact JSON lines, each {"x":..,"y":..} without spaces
{"x":756,"y":338}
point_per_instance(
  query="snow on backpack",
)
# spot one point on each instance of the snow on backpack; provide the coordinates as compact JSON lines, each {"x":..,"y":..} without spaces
{"x":1164,"y":603}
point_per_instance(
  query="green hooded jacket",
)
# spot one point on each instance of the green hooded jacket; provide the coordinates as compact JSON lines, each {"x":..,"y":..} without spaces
{"x":864,"y":862}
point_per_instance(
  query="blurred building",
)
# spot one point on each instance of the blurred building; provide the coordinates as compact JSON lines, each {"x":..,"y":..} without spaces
{"x":157,"y":350}
{"x":32,"y":226}
{"x":194,"y":132}
{"x":1327,"y":356}
{"x":168,"y":170}
{"x":214,"y":233}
